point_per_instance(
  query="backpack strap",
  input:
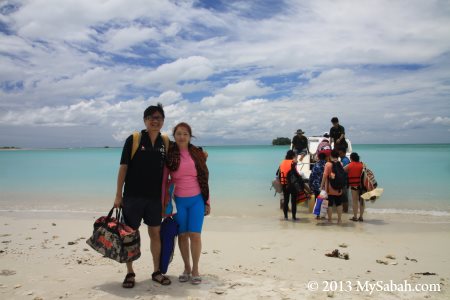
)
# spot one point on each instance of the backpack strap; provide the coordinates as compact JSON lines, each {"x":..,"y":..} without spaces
{"x":136,"y":142}
{"x":166,"y":142}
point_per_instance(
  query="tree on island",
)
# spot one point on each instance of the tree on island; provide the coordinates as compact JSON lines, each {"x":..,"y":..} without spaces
{"x":281,"y":141}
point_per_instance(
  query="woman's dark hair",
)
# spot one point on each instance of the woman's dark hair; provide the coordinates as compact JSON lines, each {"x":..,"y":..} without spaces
{"x":290,"y":154}
{"x":322,"y":156}
{"x":335,"y":153}
{"x":354,"y":157}
{"x":154,"y":108}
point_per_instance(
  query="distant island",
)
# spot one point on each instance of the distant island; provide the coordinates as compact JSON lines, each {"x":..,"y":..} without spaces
{"x":281,"y":141}
{"x":8,"y":148}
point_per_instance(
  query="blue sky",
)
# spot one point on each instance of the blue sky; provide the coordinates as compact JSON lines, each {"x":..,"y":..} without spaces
{"x":81,"y":73}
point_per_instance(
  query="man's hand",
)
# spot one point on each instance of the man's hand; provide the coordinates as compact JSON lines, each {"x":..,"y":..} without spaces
{"x":118,"y":201}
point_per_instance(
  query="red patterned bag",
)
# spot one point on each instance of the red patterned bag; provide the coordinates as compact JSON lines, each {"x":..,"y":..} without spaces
{"x":114,"y":239}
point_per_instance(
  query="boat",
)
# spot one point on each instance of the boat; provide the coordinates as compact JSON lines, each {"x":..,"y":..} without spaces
{"x":305,"y":166}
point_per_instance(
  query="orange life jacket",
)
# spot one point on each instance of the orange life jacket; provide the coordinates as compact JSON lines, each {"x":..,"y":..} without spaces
{"x":354,"y":173}
{"x":285,"y":167}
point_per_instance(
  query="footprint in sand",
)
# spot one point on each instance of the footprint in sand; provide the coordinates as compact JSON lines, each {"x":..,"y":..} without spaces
{"x":7,"y":272}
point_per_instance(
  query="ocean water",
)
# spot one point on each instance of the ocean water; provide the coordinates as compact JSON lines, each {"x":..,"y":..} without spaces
{"x":415,"y":178}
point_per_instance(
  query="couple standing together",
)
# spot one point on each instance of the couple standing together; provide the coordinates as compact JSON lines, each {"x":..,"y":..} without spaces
{"x":140,"y":193}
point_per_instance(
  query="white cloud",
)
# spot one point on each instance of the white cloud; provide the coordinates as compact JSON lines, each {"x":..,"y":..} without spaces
{"x":183,"y":69}
{"x":442,"y":121}
{"x":119,"y":39}
{"x":249,"y":72}
{"x":245,"y":89}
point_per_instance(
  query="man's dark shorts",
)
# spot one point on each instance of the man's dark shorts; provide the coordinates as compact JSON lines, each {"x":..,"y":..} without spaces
{"x":332,"y":199}
{"x":137,"y":208}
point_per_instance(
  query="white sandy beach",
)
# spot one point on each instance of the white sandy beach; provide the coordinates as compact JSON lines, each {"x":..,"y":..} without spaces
{"x":44,"y":256}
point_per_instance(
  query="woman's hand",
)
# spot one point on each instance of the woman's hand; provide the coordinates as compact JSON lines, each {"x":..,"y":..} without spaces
{"x":207,"y":210}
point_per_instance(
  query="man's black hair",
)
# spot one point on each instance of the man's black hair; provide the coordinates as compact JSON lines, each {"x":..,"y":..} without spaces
{"x":354,"y":156}
{"x":290,"y":154}
{"x":154,"y":108}
{"x":334,"y":120}
{"x":335,"y":153}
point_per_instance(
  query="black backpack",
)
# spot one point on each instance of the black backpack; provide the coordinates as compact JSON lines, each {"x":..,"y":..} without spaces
{"x":295,"y":182}
{"x":340,"y":177}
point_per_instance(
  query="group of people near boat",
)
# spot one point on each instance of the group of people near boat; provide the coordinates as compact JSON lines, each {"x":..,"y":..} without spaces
{"x":144,"y":175}
{"x":330,"y":162}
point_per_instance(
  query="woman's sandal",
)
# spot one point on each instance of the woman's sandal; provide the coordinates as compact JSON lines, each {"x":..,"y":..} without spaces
{"x":160,"y":278}
{"x":196,"y":280}
{"x":184,"y":277}
{"x":360,"y":219}
{"x":129,"y":281}
{"x":354,"y":219}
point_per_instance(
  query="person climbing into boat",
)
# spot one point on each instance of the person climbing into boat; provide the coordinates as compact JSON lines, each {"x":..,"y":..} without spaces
{"x":337,"y":135}
{"x":300,"y":144}
{"x":286,"y":165}
{"x":323,"y":147}
{"x":354,"y":170}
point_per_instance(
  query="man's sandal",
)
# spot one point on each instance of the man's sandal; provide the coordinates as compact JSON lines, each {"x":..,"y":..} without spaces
{"x":129,"y":281}
{"x":160,"y":278}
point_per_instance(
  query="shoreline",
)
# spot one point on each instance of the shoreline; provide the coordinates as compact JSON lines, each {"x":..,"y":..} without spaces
{"x":264,"y":212}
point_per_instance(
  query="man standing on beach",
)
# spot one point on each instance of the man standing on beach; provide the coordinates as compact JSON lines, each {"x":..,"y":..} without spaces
{"x":337,"y":135}
{"x":140,"y":178}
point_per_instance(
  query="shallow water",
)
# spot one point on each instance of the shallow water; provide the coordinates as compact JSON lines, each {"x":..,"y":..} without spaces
{"x":415,"y":178}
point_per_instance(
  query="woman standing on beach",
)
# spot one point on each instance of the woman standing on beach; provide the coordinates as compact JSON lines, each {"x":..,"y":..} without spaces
{"x":334,"y":195}
{"x":189,"y":173}
{"x":285,"y":166}
{"x":354,"y":171}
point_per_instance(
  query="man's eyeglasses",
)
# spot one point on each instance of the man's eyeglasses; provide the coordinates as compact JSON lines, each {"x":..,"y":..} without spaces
{"x":151,"y":118}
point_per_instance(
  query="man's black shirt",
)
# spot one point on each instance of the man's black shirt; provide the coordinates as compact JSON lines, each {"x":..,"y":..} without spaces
{"x":145,"y":170}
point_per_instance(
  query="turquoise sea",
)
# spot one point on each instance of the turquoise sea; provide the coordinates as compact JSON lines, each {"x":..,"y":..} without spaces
{"x":415,"y":178}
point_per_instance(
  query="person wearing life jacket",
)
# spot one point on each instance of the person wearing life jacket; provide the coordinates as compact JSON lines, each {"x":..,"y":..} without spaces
{"x":354,"y":170}
{"x":285,"y":166}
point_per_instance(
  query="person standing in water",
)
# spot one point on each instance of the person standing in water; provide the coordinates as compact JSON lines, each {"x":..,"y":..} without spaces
{"x":334,"y":195}
{"x":287,"y":165}
{"x":354,"y":170}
